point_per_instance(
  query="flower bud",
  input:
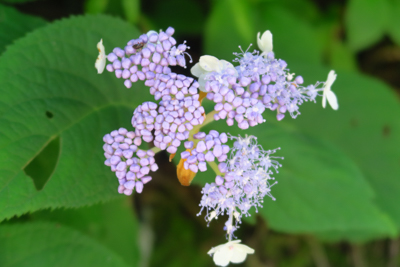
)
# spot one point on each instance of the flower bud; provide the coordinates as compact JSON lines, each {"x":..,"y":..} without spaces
{"x":185,"y":177}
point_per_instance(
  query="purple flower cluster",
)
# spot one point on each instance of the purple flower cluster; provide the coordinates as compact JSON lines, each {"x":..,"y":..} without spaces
{"x":142,"y":58}
{"x":233,"y":102}
{"x":119,"y":149}
{"x":209,"y":147}
{"x":244,"y":182}
{"x":171,"y":84}
{"x":260,"y":82}
{"x":171,"y":121}
{"x":168,"y":122}
{"x":269,"y":81}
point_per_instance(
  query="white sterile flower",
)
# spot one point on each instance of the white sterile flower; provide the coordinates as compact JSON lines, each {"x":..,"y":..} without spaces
{"x":101,"y":59}
{"x":208,"y":64}
{"x":230,"y":252}
{"x":265,"y":42}
{"x":328,"y":94}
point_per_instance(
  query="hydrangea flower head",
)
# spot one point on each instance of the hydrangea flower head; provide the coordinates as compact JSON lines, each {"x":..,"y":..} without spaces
{"x":257,"y":83}
{"x":231,"y":251}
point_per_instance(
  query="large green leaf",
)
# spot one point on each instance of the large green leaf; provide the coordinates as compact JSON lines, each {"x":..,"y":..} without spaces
{"x":293,"y":39}
{"x":45,"y":244}
{"x":187,"y":19}
{"x":366,"y":127}
{"x":15,"y":25}
{"x":366,"y":22}
{"x":50,"y":89}
{"x":95,"y":6}
{"x":112,"y":224}
{"x":230,"y":24}
{"x":320,"y":189}
{"x":394,"y":29}
{"x":131,"y":9}
{"x":234,"y":23}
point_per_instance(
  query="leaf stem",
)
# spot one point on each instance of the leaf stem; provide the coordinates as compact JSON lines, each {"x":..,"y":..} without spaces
{"x":230,"y":220}
{"x":155,"y":149}
{"x":357,"y":254}
{"x":317,"y":252}
{"x":209,"y":118}
{"x":214,"y":167}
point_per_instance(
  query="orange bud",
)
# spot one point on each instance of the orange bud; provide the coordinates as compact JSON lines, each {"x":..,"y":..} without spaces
{"x":185,"y":177}
{"x":202,"y":95}
{"x":171,"y":156}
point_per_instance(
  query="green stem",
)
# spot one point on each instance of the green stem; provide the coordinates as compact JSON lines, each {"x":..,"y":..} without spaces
{"x":317,"y":252}
{"x":394,"y":253}
{"x":155,"y":149}
{"x":357,"y":254}
{"x":231,"y":220}
{"x":209,"y":118}
{"x":214,"y":167}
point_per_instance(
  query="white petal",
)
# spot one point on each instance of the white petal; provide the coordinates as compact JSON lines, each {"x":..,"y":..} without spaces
{"x":265,"y":42}
{"x":327,"y":93}
{"x":202,"y":83}
{"x":244,"y":248}
{"x":209,"y":63}
{"x":324,"y":100}
{"x":332,"y":100}
{"x":101,"y":59}
{"x":223,"y":256}
{"x":196,"y":70}
{"x":238,"y":256}
{"x":211,"y":251}
{"x":331,"y":78}
{"x":228,"y":65}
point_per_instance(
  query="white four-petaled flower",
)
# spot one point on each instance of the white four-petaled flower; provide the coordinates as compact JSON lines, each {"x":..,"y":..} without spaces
{"x":265,"y":42}
{"x":209,"y":64}
{"x":328,"y":94}
{"x":101,"y":59}
{"x":230,"y":252}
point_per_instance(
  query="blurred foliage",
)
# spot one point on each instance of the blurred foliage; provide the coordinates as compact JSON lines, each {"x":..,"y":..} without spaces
{"x":15,"y":25}
{"x":339,"y":181}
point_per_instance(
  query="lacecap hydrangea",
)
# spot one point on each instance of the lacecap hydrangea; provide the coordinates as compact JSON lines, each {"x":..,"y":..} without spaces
{"x":254,"y":83}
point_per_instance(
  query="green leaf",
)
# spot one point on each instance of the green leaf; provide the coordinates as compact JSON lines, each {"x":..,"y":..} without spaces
{"x":112,"y":224}
{"x":302,"y":9}
{"x":394,"y":22}
{"x":231,"y":23}
{"x":366,"y":22}
{"x":52,"y":70}
{"x":15,"y":25}
{"x":181,"y":236}
{"x":366,"y":127}
{"x":45,"y":244}
{"x":95,"y":6}
{"x":186,"y":17}
{"x":43,"y":165}
{"x":131,"y":10}
{"x":293,"y":39}
{"x":341,"y":57}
